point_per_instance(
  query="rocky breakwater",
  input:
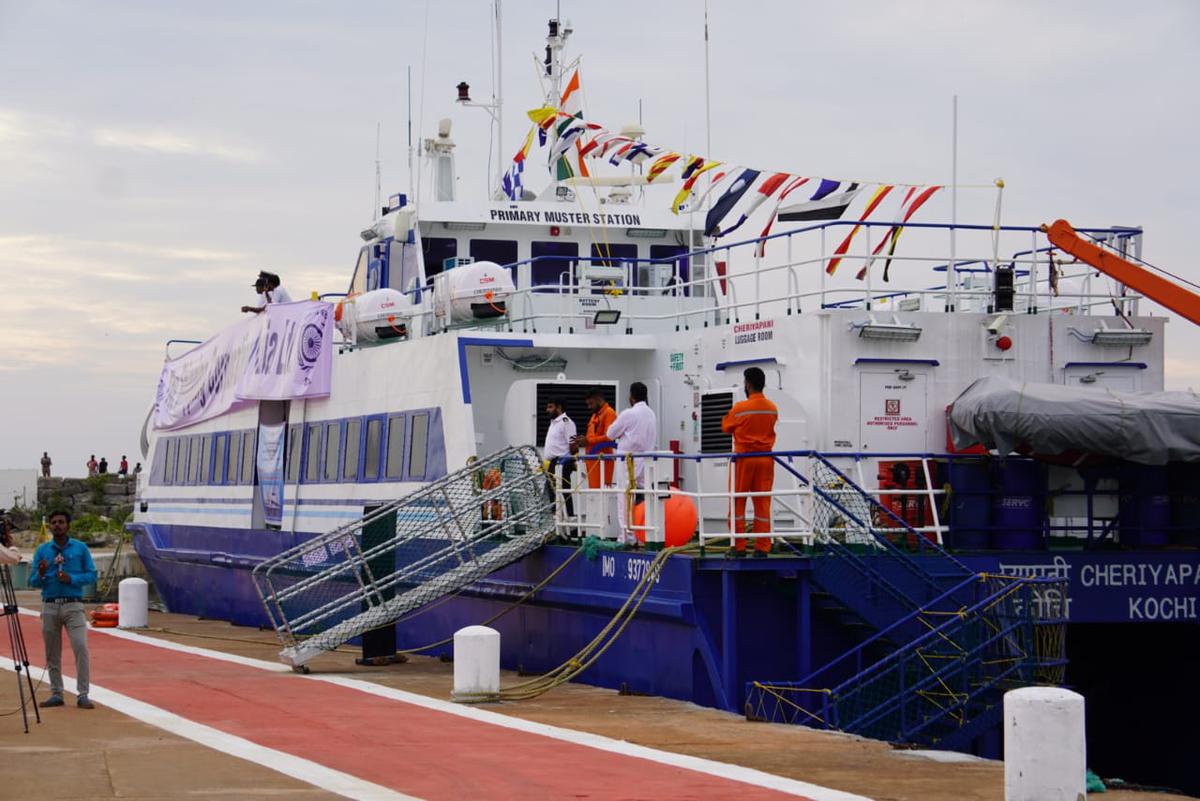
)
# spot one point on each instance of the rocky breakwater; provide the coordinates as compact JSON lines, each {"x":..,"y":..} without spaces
{"x":108,"y":495}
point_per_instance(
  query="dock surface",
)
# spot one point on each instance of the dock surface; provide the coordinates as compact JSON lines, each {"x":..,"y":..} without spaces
{"x":192,"y":708}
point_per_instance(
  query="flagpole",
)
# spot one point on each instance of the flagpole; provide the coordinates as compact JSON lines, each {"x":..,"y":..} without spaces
{"x":952,"y":268}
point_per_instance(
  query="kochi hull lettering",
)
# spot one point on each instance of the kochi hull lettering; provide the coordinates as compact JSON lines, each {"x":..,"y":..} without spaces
{"x":1111,"y":588}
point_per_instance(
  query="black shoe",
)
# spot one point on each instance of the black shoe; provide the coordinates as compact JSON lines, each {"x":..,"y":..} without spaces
{"x":761,"y":554}
{"x":739,"y":554}
{"x":84,"y":703}
{"x":54,"y":700}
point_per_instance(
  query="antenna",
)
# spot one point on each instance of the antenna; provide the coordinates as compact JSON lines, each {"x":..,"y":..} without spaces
{"x":410,"y":141}
{"x":378,"y":179}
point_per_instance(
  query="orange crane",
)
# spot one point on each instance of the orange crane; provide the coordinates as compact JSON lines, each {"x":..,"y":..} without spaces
{"x":1183,"y":302}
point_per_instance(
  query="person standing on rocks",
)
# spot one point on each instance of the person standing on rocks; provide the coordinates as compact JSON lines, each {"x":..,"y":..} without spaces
{"x":45,"y":464}
{"x":62,"y":568}
{"x":123,"y":468}
{"x":103,"y":465}
{"x":92,"y":466}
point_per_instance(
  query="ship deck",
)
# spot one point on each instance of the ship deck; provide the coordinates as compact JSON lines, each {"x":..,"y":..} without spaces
{"x":193,"y":708}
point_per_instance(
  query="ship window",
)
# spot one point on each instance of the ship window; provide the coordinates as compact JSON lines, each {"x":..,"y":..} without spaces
{"x":293,"y":453}
{"x":501,"y":251}
{"x":333,"y":435}
{"x":235,"y":458}
{"x":248,"y":457}
{"x":551,"y":260}
{"x":436,"y":250}
{"x":350,"y":457}
{"x":312,"y":451}
{"x":395,"y":447}
{"x":219,"y":455}
{"x":165,"y":463}
{"x":194,"y":460}
{"x":613,"y":255}
{"x":181,"y":460}
{"x":402,"y":266}
{"x":713,"y":407}
{"x":416,"y":452}
{"x":371,"y":449}
{"x":205,"y":457}
{"x":358,"y":284}
{"x":679,"y":263}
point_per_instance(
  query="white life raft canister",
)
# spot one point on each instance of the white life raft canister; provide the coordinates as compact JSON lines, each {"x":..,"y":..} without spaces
{"x":380,"y":314}
{"x":475,"y":291}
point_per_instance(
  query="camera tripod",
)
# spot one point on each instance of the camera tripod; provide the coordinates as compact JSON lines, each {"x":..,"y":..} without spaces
{"x":16,"y":639}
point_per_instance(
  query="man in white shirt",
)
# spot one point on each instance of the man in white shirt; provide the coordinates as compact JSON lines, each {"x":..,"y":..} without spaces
{"x":635,"y":431}
{"x":558,"y":445}
{"x":269,"y":291}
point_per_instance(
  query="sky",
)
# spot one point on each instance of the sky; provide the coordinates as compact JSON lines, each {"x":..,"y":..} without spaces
{"x":154,"y":156}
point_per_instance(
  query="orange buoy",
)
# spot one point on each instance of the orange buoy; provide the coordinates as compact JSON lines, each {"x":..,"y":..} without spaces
{"x":681,"y":518}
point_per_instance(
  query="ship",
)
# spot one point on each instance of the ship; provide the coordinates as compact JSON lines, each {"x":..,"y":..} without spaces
{"x":931,"y":546}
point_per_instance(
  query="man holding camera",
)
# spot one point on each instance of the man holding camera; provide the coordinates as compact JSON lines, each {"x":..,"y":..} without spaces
{"x":62,"y":567}
{"x":8,"y":554}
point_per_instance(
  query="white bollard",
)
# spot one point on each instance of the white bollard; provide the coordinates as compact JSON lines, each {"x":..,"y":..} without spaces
{"x":133,"y":600}
{"x":476,"y":662}
{"x":1045,"y":750}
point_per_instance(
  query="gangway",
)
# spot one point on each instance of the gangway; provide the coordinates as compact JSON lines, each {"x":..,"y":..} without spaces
{"x":369,"y":573}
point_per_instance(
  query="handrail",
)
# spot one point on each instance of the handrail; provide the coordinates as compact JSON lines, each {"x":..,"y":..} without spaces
{"x":885,"y":632}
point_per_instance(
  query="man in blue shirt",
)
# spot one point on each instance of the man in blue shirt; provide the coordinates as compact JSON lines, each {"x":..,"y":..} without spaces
{"x":61,"y":569}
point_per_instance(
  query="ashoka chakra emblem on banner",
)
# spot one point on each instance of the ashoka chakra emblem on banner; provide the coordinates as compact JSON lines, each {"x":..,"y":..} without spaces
{"x":310,"y":345}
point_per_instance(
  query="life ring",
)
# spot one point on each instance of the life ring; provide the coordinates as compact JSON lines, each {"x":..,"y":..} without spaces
{"x":105,"y":623}
{"x":105,"y":616}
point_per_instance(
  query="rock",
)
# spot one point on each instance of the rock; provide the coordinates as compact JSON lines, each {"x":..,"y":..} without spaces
{"x":49,"y":484}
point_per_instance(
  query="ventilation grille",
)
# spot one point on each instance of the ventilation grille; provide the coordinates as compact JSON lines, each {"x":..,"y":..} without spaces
{"x":713,"y":407}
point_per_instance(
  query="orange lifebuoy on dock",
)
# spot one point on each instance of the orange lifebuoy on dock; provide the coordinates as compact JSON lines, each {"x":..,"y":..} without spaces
{"x":105,"y":616}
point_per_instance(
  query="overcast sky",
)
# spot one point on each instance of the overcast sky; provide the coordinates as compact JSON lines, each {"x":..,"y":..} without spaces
{"x":155,"y":156}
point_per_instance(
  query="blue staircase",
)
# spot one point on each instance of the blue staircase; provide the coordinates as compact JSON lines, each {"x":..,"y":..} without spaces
{"x":947,"y":643}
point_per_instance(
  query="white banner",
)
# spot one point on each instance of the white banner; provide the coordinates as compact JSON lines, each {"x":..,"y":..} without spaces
{"x":283,"y":353}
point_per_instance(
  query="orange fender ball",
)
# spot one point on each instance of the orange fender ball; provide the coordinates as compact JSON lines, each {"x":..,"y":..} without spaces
{"x":680,"y":512}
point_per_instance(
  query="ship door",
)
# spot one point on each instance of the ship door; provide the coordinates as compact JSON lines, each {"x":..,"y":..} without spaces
{"x":892,"y":411}
{"x":1111,"y":376}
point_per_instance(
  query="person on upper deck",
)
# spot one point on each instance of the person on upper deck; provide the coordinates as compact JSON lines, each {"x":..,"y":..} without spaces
{"x":752,"y":424}
{"x":269,"y":291}
{"x":635,"y":431}
{"x":603,"y":416}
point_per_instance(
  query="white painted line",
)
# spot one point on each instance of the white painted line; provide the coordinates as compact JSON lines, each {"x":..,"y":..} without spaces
{"x":291,"y":766}
{"x":700,"y":765}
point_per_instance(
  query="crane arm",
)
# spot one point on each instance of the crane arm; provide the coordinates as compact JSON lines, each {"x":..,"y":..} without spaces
{"x":1182,"y":301}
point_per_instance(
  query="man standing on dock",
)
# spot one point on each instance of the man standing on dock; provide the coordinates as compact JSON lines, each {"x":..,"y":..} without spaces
{"x":752,"y":424}
{"x":635,"y":431}
{"x":602,"y":417}
{"x":62,"y":567}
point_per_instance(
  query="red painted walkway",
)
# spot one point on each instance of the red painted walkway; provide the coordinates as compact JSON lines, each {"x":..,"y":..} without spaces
{"x":434,"y":755}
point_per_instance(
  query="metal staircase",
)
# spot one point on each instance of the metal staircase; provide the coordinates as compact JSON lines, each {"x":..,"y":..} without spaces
{"x":445,"y":536}
{"x":948,"y":642}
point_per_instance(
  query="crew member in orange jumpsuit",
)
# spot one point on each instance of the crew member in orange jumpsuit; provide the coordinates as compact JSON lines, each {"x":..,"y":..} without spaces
{"x":752,"y":424}
{"x":597,"y":432}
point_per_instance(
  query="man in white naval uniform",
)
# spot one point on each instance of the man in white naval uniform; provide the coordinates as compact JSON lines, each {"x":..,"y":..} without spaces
{"x":558,"y":445}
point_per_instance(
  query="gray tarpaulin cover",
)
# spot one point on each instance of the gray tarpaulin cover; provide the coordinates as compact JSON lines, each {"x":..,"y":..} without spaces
{"x":1051,"y":419}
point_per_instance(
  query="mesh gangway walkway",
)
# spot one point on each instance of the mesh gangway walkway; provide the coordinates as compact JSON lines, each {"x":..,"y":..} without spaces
{"x":438,"y":540}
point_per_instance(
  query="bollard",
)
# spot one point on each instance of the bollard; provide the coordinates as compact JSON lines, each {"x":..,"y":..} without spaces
{"x":476,"y":662}
{"x":1045,"y":755}
{"x":133,"y":599}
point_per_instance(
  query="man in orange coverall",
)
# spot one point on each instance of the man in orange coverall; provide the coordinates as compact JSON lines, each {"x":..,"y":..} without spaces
{"x":752,"y":424}
{"x":597,"y":432}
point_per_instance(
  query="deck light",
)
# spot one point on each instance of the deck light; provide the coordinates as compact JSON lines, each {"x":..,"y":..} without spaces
{"x":1121,"y":337}
{"x":894,"y":331}
{"x":606,"y":317}
{"x":645,"y":233}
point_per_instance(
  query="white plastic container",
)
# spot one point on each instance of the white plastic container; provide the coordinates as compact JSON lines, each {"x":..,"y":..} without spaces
{"x":1045,"y":753}
{"x":476,"y":662}
{"x":133,"y":602}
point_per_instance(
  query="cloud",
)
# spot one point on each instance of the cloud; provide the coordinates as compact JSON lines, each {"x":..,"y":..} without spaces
{"x":170,"y":143}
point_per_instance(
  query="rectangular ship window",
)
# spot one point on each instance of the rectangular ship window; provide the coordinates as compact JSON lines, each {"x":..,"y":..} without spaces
{"x":333,"y":436}
{"x":205,"y":457}
{"x":312,"y":454}
{"x":194,"y":460}
{"x":350,"y":457}
{"x":169,"y":462}
{"x":219,"y":454}
{"x":371,"y":451}
{"x":248,"y":443}
{"x":416,"y":453}
{"x":295,"y":440}
{"x":395,"y":447}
